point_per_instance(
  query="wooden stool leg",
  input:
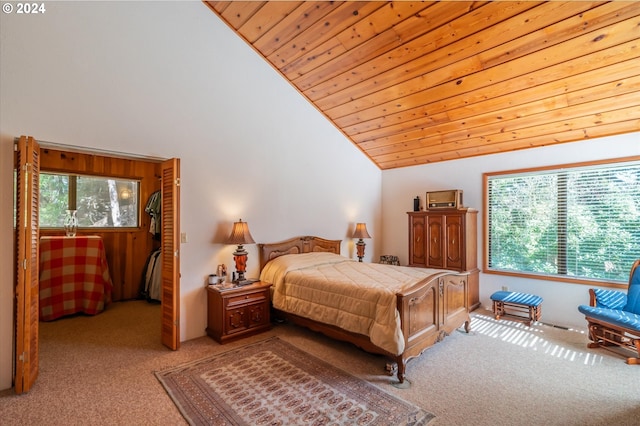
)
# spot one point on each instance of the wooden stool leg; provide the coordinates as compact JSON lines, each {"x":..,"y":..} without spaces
{"x":498,"y":309}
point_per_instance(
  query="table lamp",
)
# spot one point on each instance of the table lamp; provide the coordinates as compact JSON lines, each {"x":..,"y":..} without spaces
{"x":240,"y":235}
{"x":360,"y":232}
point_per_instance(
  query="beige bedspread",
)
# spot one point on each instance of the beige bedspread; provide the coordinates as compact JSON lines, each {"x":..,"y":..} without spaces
{"x":358,"y":297}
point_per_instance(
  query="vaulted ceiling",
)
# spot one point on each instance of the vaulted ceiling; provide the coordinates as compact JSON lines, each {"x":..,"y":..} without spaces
{"x":418,"y":82}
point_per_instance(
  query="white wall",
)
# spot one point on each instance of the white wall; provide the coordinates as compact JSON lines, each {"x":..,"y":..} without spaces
{"x":401,"y":186}
{"x":169,"y":79}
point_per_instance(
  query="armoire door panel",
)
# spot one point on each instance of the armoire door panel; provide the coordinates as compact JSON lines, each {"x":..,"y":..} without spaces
{"x":417,"y":240}
{"x":435,"y":258}
{"x":454,"y":250}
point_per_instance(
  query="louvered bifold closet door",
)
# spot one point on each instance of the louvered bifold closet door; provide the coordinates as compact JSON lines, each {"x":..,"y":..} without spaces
{"x":170,"y":226}
{"x":26,"y":285}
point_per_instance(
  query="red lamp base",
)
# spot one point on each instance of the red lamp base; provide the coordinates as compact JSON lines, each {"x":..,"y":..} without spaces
{"x":360,"y":247}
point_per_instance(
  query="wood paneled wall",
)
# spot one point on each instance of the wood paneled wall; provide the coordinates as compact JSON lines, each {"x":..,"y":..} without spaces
{"x":126,"y":250}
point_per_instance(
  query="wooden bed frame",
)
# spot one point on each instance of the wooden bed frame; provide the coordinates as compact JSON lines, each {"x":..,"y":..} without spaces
{"x":429,"y":310}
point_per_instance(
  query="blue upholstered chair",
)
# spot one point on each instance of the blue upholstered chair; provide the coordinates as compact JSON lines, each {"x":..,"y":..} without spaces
{"x":613,"y":316}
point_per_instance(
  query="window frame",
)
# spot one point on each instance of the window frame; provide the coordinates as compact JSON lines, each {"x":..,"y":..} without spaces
{"x":541,"y":276}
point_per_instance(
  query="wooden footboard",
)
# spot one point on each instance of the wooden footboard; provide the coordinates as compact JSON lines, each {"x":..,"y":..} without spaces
{"x":430,"y":311}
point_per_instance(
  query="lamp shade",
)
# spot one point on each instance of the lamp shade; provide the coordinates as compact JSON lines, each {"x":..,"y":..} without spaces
{"x":361,"y":231}
{"x":240,"y":234}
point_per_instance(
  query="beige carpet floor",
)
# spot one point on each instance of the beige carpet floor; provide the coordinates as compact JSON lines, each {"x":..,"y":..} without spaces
{"x":99,"y":371}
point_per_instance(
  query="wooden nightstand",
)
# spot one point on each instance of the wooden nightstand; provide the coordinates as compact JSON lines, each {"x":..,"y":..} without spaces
{"x":237,"y":312}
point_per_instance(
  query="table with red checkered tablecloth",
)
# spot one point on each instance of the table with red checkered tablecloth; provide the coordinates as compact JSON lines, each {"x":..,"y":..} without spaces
{"x":74,"y":276}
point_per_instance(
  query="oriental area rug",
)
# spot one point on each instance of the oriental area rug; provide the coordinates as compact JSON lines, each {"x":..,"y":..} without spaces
{"x":272,"y":382}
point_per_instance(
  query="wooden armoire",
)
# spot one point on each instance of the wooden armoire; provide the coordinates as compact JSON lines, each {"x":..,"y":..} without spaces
{"x":446,"y":239}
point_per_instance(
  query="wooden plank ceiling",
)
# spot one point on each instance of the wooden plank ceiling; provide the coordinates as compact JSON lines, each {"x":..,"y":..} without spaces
{"x":418,"y":82}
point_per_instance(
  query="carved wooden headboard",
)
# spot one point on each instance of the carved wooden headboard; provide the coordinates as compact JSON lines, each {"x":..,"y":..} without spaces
{"x":297,"y":245}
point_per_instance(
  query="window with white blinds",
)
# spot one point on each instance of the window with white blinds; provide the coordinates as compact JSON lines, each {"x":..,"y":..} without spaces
{"x":577,"y":222}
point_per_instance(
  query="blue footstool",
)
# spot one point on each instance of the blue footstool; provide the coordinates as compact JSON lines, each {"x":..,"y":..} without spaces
{"x":514,"y":305}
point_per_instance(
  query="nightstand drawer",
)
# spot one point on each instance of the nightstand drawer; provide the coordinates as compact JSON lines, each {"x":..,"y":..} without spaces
{"x":243,"y":299}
